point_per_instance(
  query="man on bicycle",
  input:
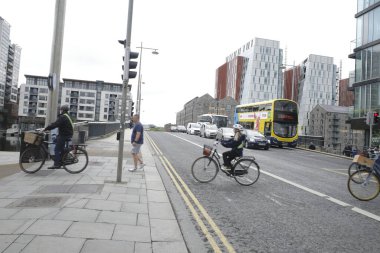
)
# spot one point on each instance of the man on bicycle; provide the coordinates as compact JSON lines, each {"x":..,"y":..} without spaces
{"x":237,"y":144}
{"x":66,"y":130}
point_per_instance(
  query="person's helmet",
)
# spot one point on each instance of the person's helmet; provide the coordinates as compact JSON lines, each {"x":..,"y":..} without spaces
{"x":238,"y":127}
{"x":64,"y":108}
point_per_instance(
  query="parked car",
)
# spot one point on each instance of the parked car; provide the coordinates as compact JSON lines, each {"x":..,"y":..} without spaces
{"x":181,"y":129}
{"x":193,"y":128}
{"x":255,"y":139}
{"x":225,"y":134}
{"x":173,"y":129}
{"x":208,"y":131}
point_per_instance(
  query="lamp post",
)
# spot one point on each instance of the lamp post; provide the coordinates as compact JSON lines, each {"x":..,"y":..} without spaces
{"x":283,"y":66}
{"x":138,"y":98}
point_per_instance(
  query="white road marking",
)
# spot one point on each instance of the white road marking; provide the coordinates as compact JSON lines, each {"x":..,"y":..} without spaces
{"x":334,"y":200}
{"x":368,"y":214}
{"x":337,"y":201}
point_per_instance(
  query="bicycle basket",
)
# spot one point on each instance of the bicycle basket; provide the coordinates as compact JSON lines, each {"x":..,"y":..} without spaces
{"x":32,"y":138}
{"x":207,"y":150}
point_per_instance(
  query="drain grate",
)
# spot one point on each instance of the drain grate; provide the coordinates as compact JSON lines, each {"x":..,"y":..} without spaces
{"x":38,"y":202}
{"x":77,"y":188}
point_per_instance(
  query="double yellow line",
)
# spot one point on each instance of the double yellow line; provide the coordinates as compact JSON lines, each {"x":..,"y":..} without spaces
{"x":193,"y":203}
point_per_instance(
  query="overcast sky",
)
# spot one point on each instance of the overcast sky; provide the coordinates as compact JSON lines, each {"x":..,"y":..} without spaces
{"x":193,"y":37}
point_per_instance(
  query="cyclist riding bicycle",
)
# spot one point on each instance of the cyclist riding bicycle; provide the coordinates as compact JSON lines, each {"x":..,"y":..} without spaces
{"x":237,"y":144}
{"x":66,"y":129}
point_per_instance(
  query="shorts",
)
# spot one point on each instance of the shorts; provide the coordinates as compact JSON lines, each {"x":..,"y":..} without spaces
{"x":136,"y":148}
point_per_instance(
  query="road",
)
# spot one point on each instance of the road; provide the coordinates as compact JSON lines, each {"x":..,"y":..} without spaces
{"x":299,"y":204}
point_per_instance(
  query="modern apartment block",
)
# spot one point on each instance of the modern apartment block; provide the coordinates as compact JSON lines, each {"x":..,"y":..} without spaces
{"x":252,"y":73}
{"x":206,"y":104}
{"x":9,"y":72}
{"x":316,"y":84}
{"x":367,"y":66}
{"x":88,"y":100}
{"x":329,"y":121}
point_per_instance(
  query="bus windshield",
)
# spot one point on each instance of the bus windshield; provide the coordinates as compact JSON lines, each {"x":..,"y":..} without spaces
{"x":285,"y":118}
{"x":220,"y":121}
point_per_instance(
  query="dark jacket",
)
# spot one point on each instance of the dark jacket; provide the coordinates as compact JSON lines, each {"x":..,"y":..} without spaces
{"x":64,"y":126}
{"x":235,"y":145}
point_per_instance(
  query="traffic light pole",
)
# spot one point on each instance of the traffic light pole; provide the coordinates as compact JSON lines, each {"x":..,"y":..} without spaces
{"x":370,"y":130}
{"x":55,"y":61}
{"x":125,"y":90}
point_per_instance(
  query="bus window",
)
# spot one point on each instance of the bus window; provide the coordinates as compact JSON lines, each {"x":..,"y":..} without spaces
{"x":267,"y":129}
{"x":255,"y":108}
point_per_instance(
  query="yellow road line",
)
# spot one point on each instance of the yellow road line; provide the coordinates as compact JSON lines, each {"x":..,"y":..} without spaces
{"x":223,"y":239}
{"x":187,"y":201}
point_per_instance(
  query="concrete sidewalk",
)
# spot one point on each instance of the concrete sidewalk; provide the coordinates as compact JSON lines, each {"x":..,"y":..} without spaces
{"x":54,"y":211}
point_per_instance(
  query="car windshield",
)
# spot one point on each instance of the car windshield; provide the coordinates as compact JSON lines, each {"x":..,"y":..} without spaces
{"x":195,"y":125}
{"x":228,"y":131}
{"x":251,"y":133}
{"x":214,"y":127}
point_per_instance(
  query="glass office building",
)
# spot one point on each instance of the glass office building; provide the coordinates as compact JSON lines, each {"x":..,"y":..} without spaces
{"x":367,"y":66}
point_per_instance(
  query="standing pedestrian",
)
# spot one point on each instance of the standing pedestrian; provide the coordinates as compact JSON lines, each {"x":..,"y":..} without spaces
{"x":137,"y":140}
{"x":66,"y":130}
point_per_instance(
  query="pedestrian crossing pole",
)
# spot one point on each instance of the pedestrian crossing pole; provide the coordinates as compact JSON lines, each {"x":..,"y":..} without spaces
{"x":124,"y":92}
{"x":369,"y":121}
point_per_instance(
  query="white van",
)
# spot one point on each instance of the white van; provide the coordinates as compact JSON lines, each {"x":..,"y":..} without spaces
{"x":208,"y":131}
{"x":193,"y":128}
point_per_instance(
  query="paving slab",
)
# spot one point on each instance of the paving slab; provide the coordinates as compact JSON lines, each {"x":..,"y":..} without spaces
{"x":90,"y":230}
{"x":117,"y":217}
{"x":101,"y":246}
{"x":5,"y":213}
{"x":19,"y":244}
{"x":161,"y":211}
{"x":124,"y":197}
{"x":98,"y":204}
{"x":10,"y":226}
{"x":54,"y":244}
{"x":166,"y":247}
{"x":143,"y":220}
{"x":48,"y":227}
{"x":132,"y":233}
{"x":165,"y":230}
{"x":157,"y":196}
{"x":141,"y":247}
{"x":135,"y":207}
{"x":6,"y":240}
{"x":76,"y":214}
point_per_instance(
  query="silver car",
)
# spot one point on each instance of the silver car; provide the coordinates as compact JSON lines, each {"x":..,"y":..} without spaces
{"x":225,"y":134}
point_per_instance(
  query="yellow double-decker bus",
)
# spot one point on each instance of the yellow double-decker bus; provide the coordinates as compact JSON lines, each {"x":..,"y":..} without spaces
{"x":277,"y":119}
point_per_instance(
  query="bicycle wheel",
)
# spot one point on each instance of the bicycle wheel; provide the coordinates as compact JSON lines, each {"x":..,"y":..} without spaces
{"x":32,"y":159}
{"x":363,"y":185}
{"x":356,"y":167}
{"x":204,"y":169}
{"x":75,"y":160}
{"x":246,"y":171}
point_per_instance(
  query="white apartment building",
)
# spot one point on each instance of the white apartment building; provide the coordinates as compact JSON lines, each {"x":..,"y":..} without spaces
{"x":261,"y":76}
{"x":87,"y":100}
{"x":33,"y":97}
{"x":317,"y":85}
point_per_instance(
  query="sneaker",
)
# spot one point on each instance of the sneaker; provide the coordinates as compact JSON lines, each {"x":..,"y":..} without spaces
{"x":142,"y":165}
{"x":54,"y":167}
{"x":132,"y":169}
{"x":226,"y":168}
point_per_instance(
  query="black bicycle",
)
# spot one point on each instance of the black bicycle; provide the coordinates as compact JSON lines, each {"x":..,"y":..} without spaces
{"x":364,"y":183}
{"x":205,"y":168}
{"x":74,"y":158}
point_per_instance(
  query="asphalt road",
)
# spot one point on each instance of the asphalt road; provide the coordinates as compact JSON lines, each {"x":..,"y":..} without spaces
{"x":299,"y":204}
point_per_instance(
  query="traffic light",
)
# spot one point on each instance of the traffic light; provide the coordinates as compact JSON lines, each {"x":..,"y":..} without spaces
{"x":132,"y":64}
{"x":375,"y":117}
{"x":132,"y":107}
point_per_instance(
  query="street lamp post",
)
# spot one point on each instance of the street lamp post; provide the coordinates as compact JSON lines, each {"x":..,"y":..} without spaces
{"x":138,"y":98}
